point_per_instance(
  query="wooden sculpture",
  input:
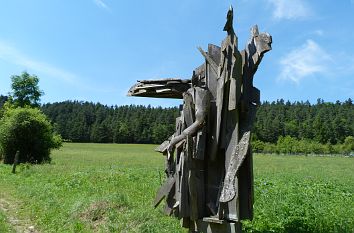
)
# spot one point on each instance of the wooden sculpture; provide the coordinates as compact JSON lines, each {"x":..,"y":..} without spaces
{"x":209,"y":183}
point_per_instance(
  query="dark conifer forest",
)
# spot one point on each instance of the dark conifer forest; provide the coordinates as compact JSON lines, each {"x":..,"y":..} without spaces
{"x":89,"y":122}
{"x":323,"y":123}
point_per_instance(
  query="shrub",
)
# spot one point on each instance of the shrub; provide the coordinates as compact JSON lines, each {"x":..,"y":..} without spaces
{"x":348,"y":145}
{"x":258,"y":146}
{"x":27,"y":130}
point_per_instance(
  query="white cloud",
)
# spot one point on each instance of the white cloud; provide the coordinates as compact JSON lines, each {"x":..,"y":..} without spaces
{"x":290,"y":9}
{"x":12,"y":55}
{"x":101,"y":4}
{"x":304,"y":62}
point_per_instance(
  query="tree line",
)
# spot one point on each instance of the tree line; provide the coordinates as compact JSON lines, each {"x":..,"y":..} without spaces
{"x":322,"y":122}
{"x":93,"y":122}
{"x":280,"y":127}
{"x":76,"y":121}
{"x":277,"y":122}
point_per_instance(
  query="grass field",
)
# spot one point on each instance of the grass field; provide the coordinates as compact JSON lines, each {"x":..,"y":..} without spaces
{"x":110,"y":188}
{"x":4,"y":225}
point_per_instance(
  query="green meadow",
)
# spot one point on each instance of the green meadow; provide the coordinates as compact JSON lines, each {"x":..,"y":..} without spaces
{"x":4,"y":225}
{"x":110,"y":188}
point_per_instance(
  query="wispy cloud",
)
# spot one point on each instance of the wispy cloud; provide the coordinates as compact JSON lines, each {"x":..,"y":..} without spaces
{"x":319,"y":32}
{"x":304,"y":62}
{"x":10,"y":54}
{"x":101,"y":4}
{"x":290,"y":9}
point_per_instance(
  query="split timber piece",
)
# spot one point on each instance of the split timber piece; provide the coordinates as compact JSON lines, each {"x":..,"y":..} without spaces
{"x":229,"y":190}
{"x":214,"y":225}
{"x":164,"y":190}
{"x":193,"y":192}
{"x":16,"y":160}
{"x":160,"y":88}
{"x":210,"y":60}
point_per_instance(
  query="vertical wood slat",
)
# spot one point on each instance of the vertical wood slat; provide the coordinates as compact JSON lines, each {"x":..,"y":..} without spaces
{"x":16,"y":160}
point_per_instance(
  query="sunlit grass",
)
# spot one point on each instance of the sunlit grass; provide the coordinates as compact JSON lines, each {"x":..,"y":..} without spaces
{"x":110,"y":188}
{"x":4,"y":225}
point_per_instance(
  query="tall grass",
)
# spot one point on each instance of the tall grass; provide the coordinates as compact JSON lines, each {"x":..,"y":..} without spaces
{"x":92,"y":187}
{"x":303,"y":194}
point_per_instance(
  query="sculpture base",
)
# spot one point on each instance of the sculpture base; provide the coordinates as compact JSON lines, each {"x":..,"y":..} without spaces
{"x":214,"y":225}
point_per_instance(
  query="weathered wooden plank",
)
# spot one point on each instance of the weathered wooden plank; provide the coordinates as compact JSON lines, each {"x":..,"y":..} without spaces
{"x":164,"y":88}
{"x":208,"y":225}
{"x":212,"y":63}
{"x":229,"y":190}
{"x":164,"y":190}
{"x":200,"y":145}
{"x":188,"y":109}
{"x":192,"y":182}
{"x":184,"y":205}
{"x":162,"y":148}
{"x":16,"y":160}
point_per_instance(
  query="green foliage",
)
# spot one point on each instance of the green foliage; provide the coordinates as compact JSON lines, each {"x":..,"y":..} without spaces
{"x":322,"y":122}
{"x":159,"y":133}
{"x":3,"y":99}
{"x":25,"y":90}
{"x":27,"y":130}
{"x":89,"y":122}
{"x":290,"y":145}
{"x":348,"y":145}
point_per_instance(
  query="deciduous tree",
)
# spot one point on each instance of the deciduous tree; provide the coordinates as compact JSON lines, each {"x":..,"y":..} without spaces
{"x":25,"y":90}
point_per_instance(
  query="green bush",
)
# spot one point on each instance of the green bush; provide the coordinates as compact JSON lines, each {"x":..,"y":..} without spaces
{"x":290,"y":145}
{"x":348,"y":145}
{"x":28,"y":131}
{"x":258,"y":146}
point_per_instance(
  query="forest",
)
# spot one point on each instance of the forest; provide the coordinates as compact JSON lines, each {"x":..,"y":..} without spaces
{"x":280,"y":121}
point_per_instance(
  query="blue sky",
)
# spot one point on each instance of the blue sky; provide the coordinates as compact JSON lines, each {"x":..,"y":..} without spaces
{"x":94,"y":50}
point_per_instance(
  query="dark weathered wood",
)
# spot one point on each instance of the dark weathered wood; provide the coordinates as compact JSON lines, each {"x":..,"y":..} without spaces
{"x":163,"y":88}
{"x":200,"y":145}
{"x":236,"y":81}
{"x":16,"y":160}
{"x":201,"y":107}
{"x":164,"y":190}
{"x":184,"y":205}
{"x":212,"y":63}
{"x":163,"y":147}
{"x":192,"y":182}
{"x":188,"y":108}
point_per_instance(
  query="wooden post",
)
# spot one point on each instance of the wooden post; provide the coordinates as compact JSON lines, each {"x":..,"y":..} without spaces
{"x":15,"y":162}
